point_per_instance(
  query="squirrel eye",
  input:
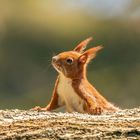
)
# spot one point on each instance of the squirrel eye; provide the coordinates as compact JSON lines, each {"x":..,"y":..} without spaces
{"x":69,"y":60}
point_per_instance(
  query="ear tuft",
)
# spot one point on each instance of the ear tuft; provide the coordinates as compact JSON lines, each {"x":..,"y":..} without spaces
{"x":90,"y":53}
{"x":81,"y":46}
{"x":98,"y":48}
{"x":93,"y":51}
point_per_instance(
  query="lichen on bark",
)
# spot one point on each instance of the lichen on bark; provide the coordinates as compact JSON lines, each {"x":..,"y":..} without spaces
{"x":27,"y":124}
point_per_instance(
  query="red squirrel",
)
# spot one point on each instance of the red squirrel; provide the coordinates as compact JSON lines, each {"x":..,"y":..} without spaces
{"x":72,"y":89}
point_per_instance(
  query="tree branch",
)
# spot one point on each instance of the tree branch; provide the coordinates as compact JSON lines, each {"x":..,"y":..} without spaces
{"x":19,"y":124}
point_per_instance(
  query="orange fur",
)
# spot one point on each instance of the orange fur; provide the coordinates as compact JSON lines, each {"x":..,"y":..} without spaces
{"x":72,"y":88}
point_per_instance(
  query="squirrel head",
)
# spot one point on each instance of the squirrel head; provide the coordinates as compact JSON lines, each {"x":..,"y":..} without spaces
{"x":72,"y":64}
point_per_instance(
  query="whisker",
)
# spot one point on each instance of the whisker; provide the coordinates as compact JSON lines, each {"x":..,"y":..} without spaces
{"x":48,"y":60}
{"x":46,"y":68}
{"x":54,"y":54}
{"x":51,"y":51}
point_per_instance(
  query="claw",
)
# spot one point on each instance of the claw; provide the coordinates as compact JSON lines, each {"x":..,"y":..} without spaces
{"x":38,"y":108}
{"x":96,"y":111}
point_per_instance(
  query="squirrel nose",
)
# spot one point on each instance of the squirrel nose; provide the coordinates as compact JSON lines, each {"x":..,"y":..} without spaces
{"x":54,"y":59}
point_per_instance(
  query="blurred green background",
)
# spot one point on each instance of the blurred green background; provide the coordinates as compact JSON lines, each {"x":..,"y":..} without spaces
{"x":32,"y":31}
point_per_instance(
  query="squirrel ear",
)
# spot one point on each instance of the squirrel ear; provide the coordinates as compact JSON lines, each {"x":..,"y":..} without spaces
{"x":89,"y":54}
{"x":81,"y":46}
{"x":83,"y":59}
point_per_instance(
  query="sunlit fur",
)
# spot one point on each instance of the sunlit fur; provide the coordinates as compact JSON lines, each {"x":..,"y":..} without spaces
{"x":72,"y":89}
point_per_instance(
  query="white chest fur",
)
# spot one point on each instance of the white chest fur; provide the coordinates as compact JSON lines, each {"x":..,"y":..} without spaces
{"x":68,"y":96}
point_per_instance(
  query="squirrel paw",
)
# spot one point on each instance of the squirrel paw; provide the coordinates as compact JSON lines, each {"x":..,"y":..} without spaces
{"x":38,"y":108}
{"x":96,"y":111}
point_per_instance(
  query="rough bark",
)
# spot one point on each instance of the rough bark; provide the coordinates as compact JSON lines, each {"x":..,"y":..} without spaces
{"x":20,"y":124}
